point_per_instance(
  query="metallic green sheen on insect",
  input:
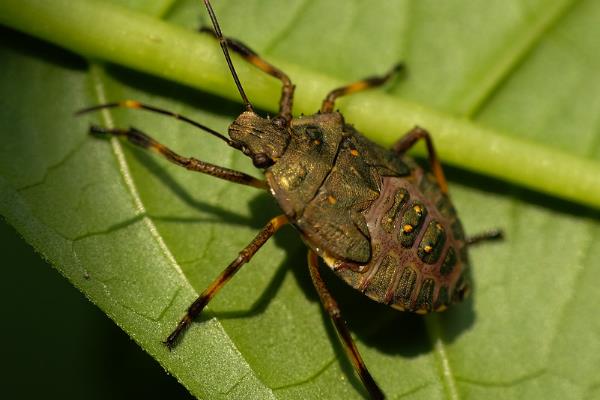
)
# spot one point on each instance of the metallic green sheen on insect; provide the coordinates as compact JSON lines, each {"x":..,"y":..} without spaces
{"x":385,"y":225}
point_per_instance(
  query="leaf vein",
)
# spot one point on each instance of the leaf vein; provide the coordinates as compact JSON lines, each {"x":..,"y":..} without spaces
{"x":413,"y":390}
{"x":471,"y":103}
{"x":308,"y":379}
{"x":110,"y":229}
{"x":441,"y":356}
{"x":566,"y":307}
{"x":508,"y":383}
{"x":53,"y":167}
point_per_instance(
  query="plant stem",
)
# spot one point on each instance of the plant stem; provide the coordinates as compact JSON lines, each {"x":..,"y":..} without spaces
{"x":100,"y":30}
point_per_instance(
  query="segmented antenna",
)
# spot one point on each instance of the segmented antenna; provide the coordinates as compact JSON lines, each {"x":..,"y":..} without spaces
{"x":223,"y":43}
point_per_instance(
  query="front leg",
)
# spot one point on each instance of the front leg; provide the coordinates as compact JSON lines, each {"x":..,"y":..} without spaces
{"x":144,"y":141}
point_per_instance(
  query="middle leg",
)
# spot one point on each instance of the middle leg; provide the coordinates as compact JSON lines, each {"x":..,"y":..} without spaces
{"x":494,"y":234}
{"x":367,"y":83}
{"x":409,"y":140}
{"x":245,"y":255}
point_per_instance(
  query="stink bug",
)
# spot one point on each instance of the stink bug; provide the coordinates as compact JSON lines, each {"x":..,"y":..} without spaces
{"x":383,"y":224}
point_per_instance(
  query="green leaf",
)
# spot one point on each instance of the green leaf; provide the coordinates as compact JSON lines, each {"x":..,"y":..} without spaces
{"x":140,"y":237}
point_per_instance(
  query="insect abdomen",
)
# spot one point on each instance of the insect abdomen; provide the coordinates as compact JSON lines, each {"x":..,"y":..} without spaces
{"x":417,"y":244}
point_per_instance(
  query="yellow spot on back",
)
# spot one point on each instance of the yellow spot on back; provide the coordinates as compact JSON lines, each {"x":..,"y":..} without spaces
{"x":354,"y":152}
{"x":331,"y":199}
{"x":408,"y":228}
{"x":417,"y":209}
{"x":317,"y":142}
{"x":131,"y":104}
{"x":427,"y":249}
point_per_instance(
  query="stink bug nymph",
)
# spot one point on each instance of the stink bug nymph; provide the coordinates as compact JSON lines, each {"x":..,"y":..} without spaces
{"x":385,"y":225}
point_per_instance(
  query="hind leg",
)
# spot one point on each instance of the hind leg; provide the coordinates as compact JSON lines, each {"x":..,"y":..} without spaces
{"x":333,"y":310}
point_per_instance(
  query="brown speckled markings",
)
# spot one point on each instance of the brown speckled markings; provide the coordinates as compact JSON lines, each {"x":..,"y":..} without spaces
{"x":417,"y":278}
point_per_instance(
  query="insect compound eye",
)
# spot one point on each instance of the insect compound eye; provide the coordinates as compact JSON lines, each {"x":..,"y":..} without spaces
{"x":314,"y":133}
{"x":261,"y":160}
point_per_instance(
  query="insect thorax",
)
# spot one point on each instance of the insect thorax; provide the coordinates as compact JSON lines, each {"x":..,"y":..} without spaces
{"x":328,"y":175}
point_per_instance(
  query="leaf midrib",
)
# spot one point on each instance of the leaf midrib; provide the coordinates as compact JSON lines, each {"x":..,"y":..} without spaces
{"x":141,"y":213}
{"x":99,"y":91}
{"x":124,"y":172}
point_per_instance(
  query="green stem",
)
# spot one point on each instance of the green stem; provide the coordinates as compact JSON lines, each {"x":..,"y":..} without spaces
{"x":104,"y":31}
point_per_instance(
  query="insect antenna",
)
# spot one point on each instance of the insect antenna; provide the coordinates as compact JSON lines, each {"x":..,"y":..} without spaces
{"x":223,"y":42}
{"x":141,"y":106}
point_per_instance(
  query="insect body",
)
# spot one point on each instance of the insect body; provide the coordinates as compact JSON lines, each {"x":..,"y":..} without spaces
{"x":385,"y":225}
{"x":380,"y":221}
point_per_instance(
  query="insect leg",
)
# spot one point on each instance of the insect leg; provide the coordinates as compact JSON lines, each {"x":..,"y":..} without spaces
{"x":333,"y":310}
{"x":287,"y":91}
{"x":367,"y":83}
{"x":245,"y":255}
{"x":494,"y":234}
{"x":409,"y":140}
{"x":141,"y":139}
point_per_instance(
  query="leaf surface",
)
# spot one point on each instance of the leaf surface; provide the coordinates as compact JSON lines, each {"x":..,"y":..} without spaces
{"x":141,"y":237}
